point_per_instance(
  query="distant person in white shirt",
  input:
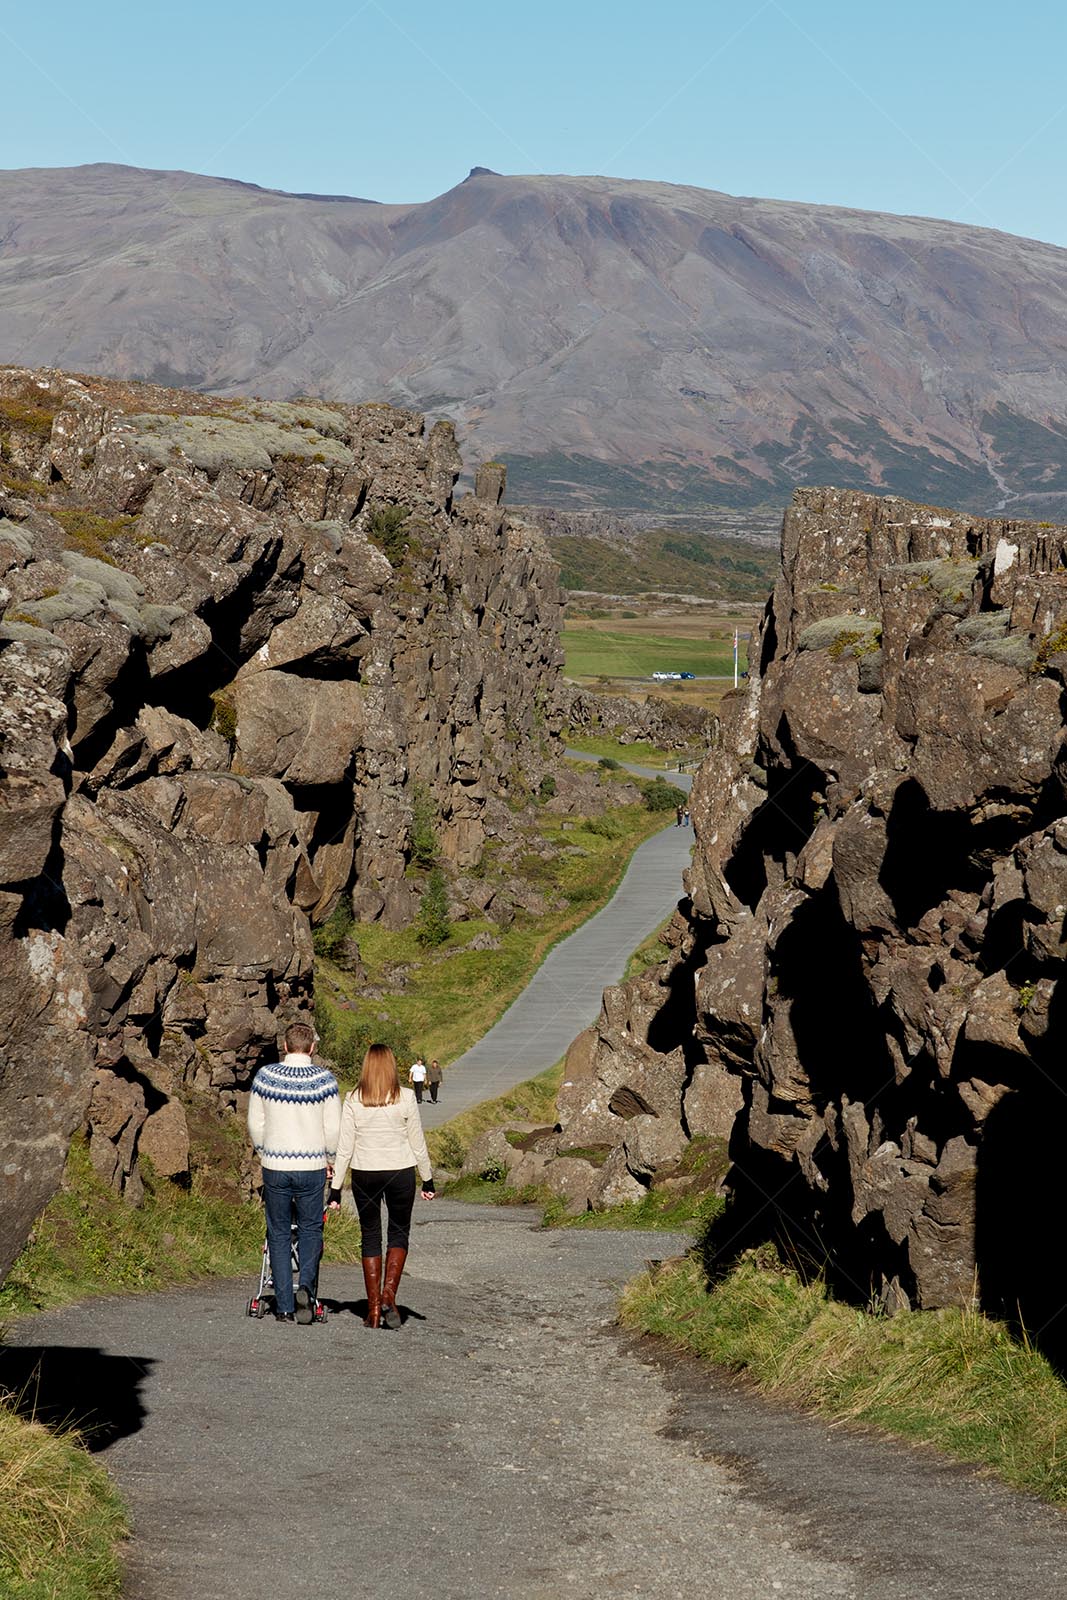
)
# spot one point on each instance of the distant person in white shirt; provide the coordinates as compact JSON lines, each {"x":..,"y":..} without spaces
{"x":383,"y":1143}
{"x":417,"y":1077}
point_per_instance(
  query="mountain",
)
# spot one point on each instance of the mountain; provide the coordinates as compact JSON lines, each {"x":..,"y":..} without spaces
{"x":641,"y":345}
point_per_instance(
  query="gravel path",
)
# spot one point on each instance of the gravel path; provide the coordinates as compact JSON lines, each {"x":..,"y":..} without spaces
{"x":507,"y":1443}
{"x":563,"y":996}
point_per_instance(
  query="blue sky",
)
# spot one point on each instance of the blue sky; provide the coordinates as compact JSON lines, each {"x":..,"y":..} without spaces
{"x":942,"y":109}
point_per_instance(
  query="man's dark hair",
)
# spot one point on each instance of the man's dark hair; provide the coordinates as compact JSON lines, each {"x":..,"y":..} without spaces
{"x":299,"y":1037}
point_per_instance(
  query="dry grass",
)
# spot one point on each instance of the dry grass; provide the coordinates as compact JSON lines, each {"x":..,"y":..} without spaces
{"x":88,"y":532}
{"x":61,"y":1522}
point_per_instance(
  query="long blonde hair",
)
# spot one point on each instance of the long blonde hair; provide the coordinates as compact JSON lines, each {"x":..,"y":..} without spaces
{"x":379,"y":1081}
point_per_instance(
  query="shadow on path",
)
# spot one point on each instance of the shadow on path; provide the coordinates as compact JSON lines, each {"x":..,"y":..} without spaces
{"x":358,"y":1308}
{"x":67,"y":1386}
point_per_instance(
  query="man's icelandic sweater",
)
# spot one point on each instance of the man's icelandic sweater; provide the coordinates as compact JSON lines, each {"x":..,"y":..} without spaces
{"x":294,"y":1115}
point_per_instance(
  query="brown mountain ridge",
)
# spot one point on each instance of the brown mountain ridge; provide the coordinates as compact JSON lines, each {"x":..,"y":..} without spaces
{"x":641,"y":345}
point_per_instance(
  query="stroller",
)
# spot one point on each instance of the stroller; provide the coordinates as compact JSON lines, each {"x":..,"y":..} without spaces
{"x":261,"y":1302}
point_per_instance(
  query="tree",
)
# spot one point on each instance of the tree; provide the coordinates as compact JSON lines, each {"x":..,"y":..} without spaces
{"x":423,"y":834}
{"x":432,"y":926}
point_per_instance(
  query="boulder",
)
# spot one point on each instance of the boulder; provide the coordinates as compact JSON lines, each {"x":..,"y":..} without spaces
{"x":164,"y":1140}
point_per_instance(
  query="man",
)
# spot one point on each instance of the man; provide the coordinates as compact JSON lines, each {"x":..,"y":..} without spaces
{"x":294,"y":1119}
{"x":433,"y":1079}
{"x":417,"y":1077}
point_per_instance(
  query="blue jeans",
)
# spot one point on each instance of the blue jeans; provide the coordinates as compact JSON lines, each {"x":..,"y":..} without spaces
{"x":282,"y":1193}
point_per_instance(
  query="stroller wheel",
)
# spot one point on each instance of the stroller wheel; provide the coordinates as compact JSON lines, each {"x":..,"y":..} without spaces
{"x":252,"y":1308}
{"x":261,"y":1308}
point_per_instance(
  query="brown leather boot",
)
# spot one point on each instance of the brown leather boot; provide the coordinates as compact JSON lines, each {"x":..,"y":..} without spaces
{"x":394,"y":1267}
{"x":372,"y":1279}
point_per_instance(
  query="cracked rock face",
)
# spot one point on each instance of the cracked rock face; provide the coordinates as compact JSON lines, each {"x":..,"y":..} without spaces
{"x":863,"y":982}
{"x":237,"y":639}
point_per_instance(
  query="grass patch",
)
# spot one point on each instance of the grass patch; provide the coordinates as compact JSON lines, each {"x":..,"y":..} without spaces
{"x":20,"y":483}
{"x":650,"y":952}
{"x":454,"y":994}
{"x":641,"y":753}
{"x":27,"y":417}
{"x":659,"y":1209}
{"x":61,"y":1521}
{"x":88,"y":1241}
{"x":533,"y":1101}
{"x":592,"y":652}
{"x":89,"y":533}
{"x":483,"y":1192}
{"x":953,"y":1379}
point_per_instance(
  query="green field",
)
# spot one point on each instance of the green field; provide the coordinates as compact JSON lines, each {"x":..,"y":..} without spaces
{"x":592,"y":653}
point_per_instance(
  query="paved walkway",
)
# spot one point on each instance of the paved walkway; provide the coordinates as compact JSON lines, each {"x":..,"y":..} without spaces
{"x":563,"y":996}
{"x":508,"y":1444}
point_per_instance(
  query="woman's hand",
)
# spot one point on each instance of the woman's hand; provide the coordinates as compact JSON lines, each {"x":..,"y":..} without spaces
{"x":428,"y":1194}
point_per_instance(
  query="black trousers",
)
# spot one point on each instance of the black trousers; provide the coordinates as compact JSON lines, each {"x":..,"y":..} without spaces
{"x":433,"y":1091}
{"x":397,"y":1189}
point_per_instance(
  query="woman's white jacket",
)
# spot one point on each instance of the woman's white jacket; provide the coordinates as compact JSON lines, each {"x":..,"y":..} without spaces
{"x":381,"y":1138}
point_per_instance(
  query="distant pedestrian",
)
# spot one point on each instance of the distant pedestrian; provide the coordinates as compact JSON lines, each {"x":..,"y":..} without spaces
{"x":294,"y":1117}
{"x":417,"y":1077}
{"x":434,"y":1078}
{"x":679,"y":812}
{"x":685,"y":815}
{"x":382,"y":1141}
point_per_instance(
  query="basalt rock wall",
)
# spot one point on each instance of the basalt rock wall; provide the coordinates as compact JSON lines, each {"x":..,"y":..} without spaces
{"x":863,"y":991}
{"x":673,"y":727}
{"x":239,"y":642}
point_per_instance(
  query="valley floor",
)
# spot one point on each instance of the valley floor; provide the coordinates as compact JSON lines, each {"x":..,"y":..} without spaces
{"x":508,"y":1443}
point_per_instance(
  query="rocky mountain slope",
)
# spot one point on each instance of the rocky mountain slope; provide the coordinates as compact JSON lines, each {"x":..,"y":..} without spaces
{"x":621,"y":343}
{"x":239,"y":642}
{"x":863,"y":992}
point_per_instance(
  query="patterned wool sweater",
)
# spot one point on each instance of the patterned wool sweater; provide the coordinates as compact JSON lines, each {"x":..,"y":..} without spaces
{"x":294,"y":1115}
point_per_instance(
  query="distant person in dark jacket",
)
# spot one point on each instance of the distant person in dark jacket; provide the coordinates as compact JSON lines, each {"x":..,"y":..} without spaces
{"x":434,"y":1078}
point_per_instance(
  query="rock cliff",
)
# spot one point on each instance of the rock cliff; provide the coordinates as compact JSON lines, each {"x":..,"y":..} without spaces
{"x":862,"y":991}
{"x":675,"y":727}
{"x":239,"y":641}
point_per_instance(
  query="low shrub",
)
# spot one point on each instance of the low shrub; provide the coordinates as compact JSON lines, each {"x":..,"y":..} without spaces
{"x":330,"y":937}
{"x":659,"y":795}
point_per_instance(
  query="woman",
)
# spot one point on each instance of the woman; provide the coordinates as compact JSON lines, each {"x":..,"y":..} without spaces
{"x":382,"y":1141}
{"x":434,"y":1078}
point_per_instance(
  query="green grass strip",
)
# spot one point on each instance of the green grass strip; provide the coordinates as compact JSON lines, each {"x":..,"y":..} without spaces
{"x":953,"y":1379}
{"x":88,"y":1241}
